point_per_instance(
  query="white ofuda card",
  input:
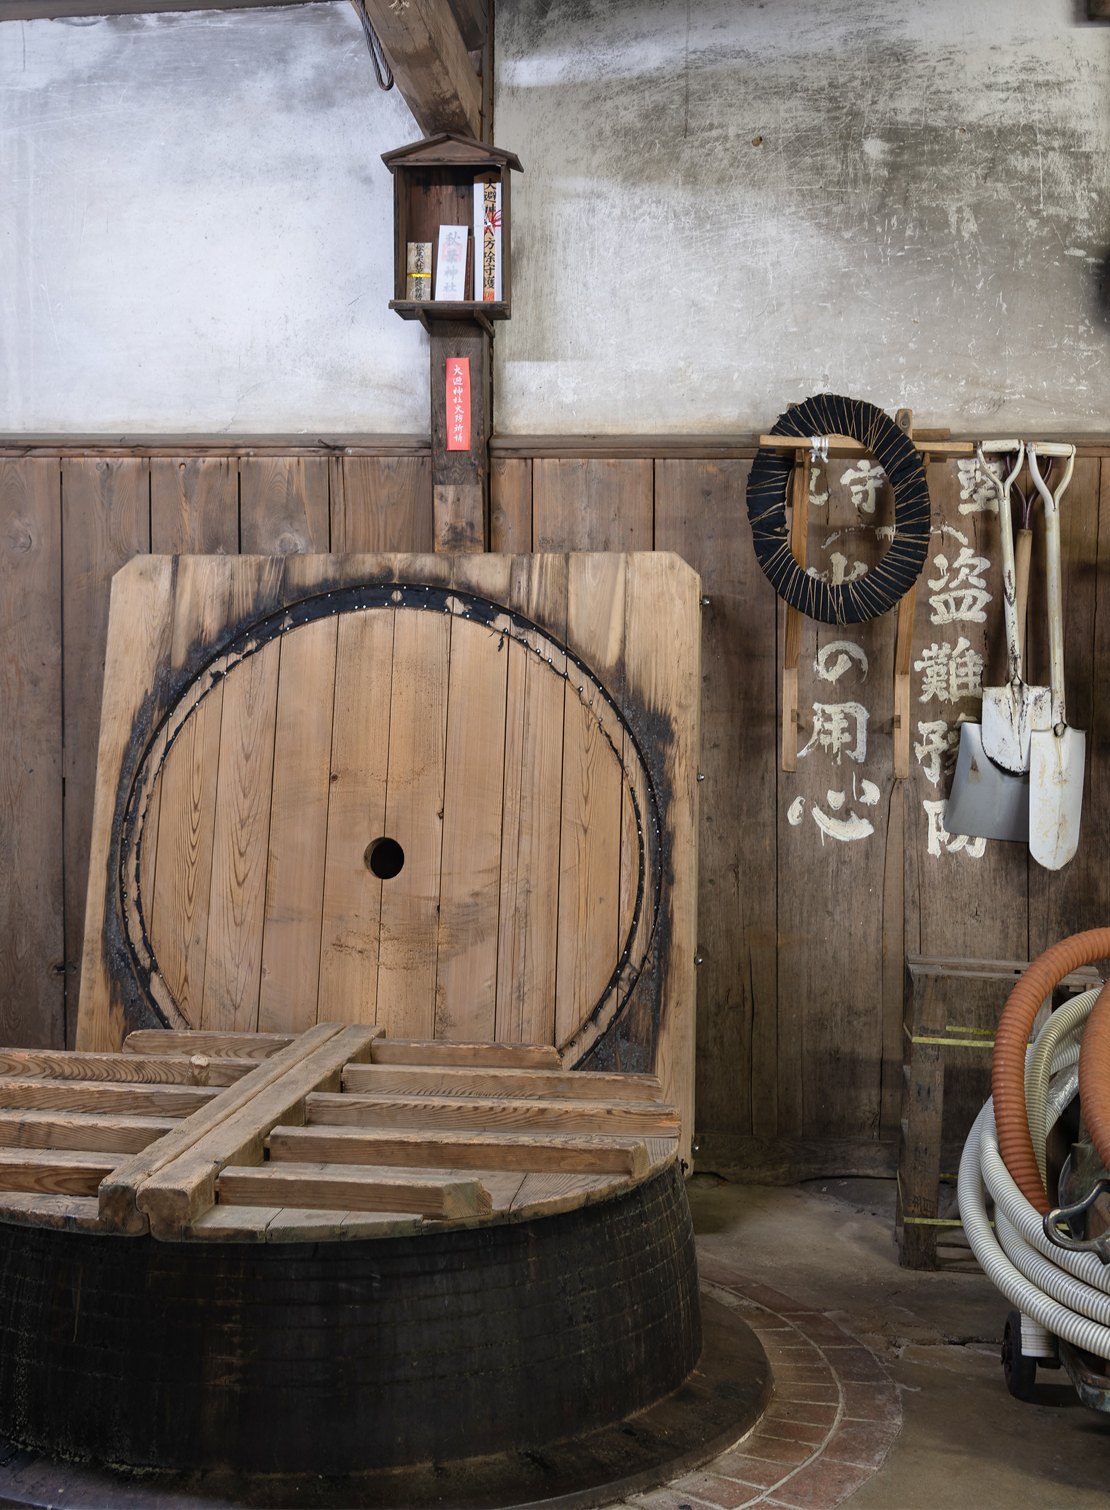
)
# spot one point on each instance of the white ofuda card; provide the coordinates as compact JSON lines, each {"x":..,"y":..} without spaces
{"x":451,"y":262}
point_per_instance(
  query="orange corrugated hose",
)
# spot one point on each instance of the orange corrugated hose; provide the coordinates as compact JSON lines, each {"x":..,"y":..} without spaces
{"x":1010,"y":1043}
{"x":1094,"y":1074}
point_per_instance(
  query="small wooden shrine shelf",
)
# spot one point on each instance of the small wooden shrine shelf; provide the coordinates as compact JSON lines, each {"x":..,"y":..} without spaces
{"x":331,"y":1134}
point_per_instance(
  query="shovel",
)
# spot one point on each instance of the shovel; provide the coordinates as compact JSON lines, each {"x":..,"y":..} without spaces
{"x":1011,"y":712}
{"x":1056,"y":753}
{"x":986,"y":801}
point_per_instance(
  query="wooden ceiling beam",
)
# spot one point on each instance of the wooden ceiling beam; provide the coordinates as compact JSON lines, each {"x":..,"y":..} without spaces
{"x":430,"y":63}
{"x":472,"y":17}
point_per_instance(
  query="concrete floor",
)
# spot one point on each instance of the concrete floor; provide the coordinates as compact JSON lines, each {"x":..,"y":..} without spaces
{"x":965,"y":1442}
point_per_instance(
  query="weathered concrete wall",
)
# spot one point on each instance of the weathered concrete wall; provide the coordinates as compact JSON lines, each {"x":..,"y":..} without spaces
{"x":925,"y":221}
{"x":196,"y":227}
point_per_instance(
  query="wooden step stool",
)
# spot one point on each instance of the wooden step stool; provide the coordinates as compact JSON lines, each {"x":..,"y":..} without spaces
{"x":932,"y":1039}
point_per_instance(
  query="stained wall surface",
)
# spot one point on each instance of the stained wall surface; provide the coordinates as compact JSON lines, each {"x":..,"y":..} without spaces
{"x":731,"y":204}
{"x":197,"y":227}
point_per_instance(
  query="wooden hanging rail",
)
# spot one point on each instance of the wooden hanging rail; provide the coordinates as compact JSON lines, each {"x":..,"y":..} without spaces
{"x":843,"y":445}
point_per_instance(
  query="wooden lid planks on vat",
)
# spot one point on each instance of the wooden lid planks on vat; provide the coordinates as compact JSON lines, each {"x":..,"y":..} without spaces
{"x":524,"y":731}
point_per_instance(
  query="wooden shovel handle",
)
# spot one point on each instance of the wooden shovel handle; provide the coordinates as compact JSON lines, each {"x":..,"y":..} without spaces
{"x":1023,"y":550}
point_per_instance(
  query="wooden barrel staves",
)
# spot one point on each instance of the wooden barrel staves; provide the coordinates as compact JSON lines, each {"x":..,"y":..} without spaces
{"x":330,"y":1358}
{"x":371,"y":1151}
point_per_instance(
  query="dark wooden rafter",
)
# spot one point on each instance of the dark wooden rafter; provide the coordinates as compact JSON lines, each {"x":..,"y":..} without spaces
{"x":472,"y":18}
{"x":431,"y":63}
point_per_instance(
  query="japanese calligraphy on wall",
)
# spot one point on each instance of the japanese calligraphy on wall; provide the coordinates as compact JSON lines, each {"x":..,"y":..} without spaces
{"x":842,"y":771}
{"x":950,"y":668}
{"x":840,"y":775}
{"x":839,"y":732}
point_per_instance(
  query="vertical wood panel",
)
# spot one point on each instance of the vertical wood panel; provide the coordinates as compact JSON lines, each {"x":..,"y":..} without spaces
{"x":591,"y":505}
{"x":630,"y":850}
{"x":833,"y":813}
{"x":356,"y":817}
{"x":957,"y":904}
{"x":233,"y":964}
{"x":458,"y":518}
{"x":135,"y":676}
{"x":511,"y":504}
{"x":589,"y":867}
{"x":194,"y":506}
{"x":284,"y":505}
{"x":194,"y":510}
{"x":179,"y":887}
{"x":382,"y":503}
{"x":298,"y":829}
{"x":697,"y":505}
{"x":531,"y":818}
{"x":1098,"y":732}
{"x":1069,"y":900}
{"x":589,"y":852}
{"x":661,"y":661}
{"x":32,"y":942}
{"x":466,"y":969}
{"x":414,"y":818}
{"x":528,"y":936}
{"x":105,"y":521}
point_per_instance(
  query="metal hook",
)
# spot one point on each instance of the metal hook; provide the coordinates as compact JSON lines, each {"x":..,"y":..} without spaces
{"x":1071,"y":1215}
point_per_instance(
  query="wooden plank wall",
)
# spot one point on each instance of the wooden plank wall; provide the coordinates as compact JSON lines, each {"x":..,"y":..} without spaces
{"x":802,"y":942}
{"x":802,"y":939}
{"x":67,"y":523}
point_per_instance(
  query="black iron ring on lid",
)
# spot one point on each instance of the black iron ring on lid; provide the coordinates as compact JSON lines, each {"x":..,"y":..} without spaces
{"x":879,"y":589}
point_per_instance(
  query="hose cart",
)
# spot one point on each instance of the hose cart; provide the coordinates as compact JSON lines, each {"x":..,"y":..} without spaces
{"x":1040,"y":1151}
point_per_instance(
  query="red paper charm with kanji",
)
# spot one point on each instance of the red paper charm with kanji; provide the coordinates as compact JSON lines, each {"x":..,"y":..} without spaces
{"x":458,"y":403}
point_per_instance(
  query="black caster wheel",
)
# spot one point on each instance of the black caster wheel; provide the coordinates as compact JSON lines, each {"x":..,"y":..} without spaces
{"x":1020,"y":1371}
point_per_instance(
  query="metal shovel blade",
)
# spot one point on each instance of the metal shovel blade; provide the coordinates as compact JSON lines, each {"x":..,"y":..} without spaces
{"x":986,"y":802}
{"x":1012,"y":711}
{"x":1056,"y":764}
{"x":1057,"y":754}
{"x":1010,"y":714}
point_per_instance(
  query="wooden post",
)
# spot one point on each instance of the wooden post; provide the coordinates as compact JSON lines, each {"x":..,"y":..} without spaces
{"x":799,"y":528}
{"x":460,"y":479}
{"x":922,"y":1114}
{"x":902,"y":654}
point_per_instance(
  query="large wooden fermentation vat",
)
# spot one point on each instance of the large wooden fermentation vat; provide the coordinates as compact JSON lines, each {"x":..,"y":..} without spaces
{"x":392,"y":898}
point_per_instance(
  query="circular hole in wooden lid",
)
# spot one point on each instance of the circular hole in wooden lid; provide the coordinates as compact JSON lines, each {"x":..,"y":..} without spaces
{"x":384,"y":857}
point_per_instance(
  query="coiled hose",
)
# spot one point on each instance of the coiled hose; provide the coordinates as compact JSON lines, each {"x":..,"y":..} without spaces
{"x":1094,"y":1075}
{"x":1065,"y":1293}
{"x":1008,"y":1068}
{"x":1068,"y":1294}
{"x":1060,"y":1036}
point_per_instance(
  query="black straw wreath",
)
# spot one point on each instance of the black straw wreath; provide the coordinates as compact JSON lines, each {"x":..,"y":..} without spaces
{"x":879,"y":589}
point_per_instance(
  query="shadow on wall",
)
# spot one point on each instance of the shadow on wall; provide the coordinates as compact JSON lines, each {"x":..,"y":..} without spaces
{"x":1101,"y":269}
{"x":883,"y":195}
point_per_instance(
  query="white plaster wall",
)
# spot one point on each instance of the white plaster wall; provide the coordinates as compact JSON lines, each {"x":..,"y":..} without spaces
{"x":196,"y":227}
{"x":925,"y":223}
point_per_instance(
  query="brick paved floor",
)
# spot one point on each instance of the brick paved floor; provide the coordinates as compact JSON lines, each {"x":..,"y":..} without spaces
{"x":831,"y":1421}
